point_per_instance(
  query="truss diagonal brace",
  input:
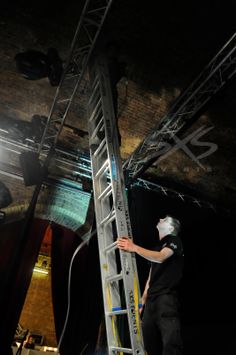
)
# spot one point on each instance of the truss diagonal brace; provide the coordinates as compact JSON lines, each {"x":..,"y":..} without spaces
{"x":212,"y":79}
{"x":88,"y":29}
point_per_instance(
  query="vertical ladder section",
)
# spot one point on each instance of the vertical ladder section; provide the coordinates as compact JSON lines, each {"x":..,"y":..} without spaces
{"x":91,"y":20}
{"x":118,"y":268}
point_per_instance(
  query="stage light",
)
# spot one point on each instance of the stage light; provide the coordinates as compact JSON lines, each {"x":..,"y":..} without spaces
{"x":40,"y":271}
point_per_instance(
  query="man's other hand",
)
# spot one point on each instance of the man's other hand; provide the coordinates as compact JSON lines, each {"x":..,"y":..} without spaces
{"x":125,"y":243}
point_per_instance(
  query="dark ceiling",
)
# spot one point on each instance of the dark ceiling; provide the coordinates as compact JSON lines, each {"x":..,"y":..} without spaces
{"x":165,"y":45}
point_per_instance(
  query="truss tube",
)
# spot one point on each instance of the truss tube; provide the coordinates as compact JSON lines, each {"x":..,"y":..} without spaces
{"x":89,"y":10}
{"x":185,"y":107}
{"x":75,"y":163}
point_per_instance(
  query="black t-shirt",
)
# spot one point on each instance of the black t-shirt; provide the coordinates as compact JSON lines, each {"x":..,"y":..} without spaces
{"x":165,"y":277}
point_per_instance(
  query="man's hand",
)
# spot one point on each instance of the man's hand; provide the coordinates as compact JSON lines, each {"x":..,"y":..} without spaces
{"x":124,"y":243}
{"x":141,"y":309}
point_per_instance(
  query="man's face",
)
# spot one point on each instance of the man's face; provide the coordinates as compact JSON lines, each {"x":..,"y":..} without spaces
{"x":164,"y":225}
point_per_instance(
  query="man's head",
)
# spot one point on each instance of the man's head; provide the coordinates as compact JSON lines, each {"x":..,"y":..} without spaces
{"x":168,"y":225}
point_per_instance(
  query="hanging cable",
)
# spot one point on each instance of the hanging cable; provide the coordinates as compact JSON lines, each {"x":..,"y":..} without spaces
{"x":86,"y":239}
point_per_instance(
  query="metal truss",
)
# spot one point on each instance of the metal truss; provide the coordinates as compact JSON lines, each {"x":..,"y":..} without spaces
{"x":88,"y":29}
{"x":79,"y":165}
{"x":74,"y":164}
{"x":172,"y":193}
{"x":213,"y":78}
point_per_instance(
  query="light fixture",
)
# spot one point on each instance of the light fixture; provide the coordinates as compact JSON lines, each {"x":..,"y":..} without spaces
{"x":49,"y":348}
{"x":40,"y":271}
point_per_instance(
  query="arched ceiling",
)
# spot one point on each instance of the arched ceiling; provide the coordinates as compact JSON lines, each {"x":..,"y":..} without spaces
{"x":165,"y":45}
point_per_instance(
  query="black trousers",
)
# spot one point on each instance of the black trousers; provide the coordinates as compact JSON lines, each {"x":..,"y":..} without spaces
{"x":161,"y":325}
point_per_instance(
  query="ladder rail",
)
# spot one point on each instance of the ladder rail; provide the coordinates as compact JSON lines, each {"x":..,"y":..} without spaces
{"x":111,"y":207}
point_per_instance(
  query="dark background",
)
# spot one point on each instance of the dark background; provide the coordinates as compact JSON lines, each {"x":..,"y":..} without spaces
{"x":207,"y":294}
{"x":166,"y":44}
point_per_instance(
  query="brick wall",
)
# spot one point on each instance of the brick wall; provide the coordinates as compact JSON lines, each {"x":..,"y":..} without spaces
{"x":37,"y":313}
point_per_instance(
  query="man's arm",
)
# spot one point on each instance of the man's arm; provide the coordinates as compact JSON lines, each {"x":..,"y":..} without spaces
{"x":127,"y":244}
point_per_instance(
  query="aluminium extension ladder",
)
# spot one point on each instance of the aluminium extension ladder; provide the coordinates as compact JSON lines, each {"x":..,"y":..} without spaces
{"x":118,"y":268}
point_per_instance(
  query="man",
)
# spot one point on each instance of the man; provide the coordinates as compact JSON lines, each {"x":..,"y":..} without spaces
{"x":29,"y":344}
{"x":160,"y":295}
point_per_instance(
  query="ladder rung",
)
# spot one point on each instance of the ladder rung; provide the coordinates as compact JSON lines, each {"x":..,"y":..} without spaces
{"x":64,"y":100}
{"x":101,"y":148}
{"x":108,"y":219}
{"x":95,"y":91}
{"x":50,"y":137}
{"x":103,"y":169}
{"x":55,"y":120}
{"x":110,"y":247}
{"x":124,"y":350}
{"x":116,"y":277}
{"x":96,"y":110}
{"x":116,"y":312}
{"x":94,"y":83}
{"x":99,"y":127}
{"x":95,"y":100}
{"x":106,"y":192}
